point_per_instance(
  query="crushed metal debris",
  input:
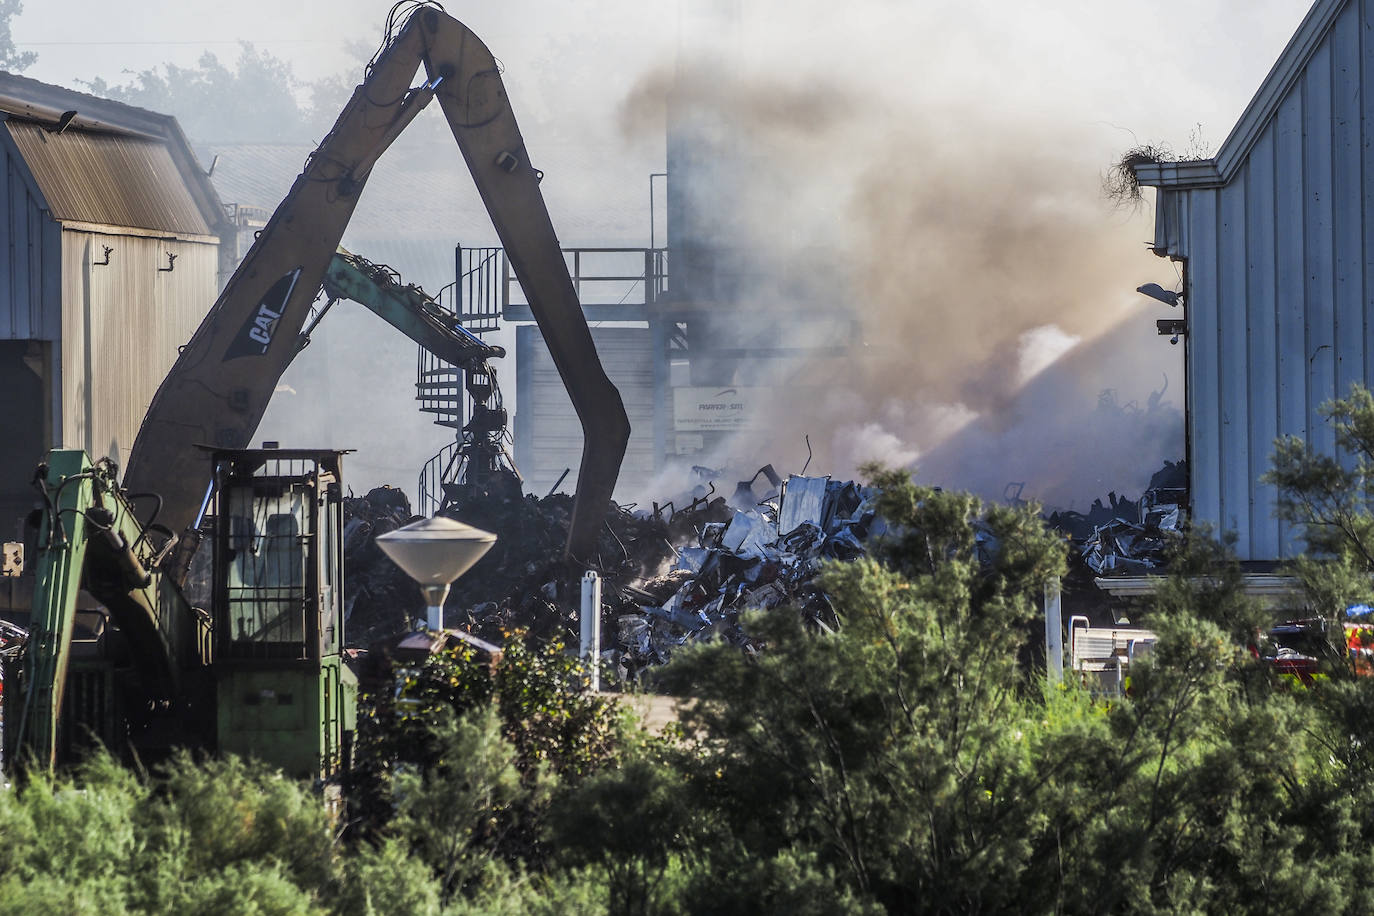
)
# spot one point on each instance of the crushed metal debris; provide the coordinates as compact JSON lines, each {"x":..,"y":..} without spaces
{"x":12,"y":640}
{"x":684,"y":571}
{"x":1126,"y":537}
{"x":670,"y":575}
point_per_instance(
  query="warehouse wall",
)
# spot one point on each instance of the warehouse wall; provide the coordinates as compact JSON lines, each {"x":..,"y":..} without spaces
{"x":123,"y":322}
{"x":548,"y":435}
{"x":1279,"y":291}
{"x":25,"y":387}
{"x":30,"y":319}
{"x":30,"y":255}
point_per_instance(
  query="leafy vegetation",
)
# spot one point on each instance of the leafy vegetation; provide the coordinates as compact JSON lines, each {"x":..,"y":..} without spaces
{"x":912,"y":761}
{"x":492,"y":739}
{"x":256,"y":97}
{"x":12,"y":59}
{"x":1327,"y":498}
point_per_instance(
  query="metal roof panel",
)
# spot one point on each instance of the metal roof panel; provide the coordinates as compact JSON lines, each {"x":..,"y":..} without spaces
{"x":108,"y":178}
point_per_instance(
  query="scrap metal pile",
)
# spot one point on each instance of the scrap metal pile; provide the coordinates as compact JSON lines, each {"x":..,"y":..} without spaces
{"x":1127,"y":537}
{"x":674,"y":575}
{"x":669,"y":576}
{"x":12,"y":641}
{"x":378,"y":597}
{"x":763,"y":556}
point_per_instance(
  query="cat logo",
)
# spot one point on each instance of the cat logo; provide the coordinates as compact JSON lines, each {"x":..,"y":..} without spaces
{"x":257,"y":332}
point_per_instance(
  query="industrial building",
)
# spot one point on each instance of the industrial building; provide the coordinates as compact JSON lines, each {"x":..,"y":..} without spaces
{"x":128,"y":243}
{"x":700,"y":329}
{"x":421,"y":216}
{"x":113,"y":249}
{"x":1275,"y":234}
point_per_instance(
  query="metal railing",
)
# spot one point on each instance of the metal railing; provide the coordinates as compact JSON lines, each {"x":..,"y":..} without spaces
{"x":485,"y":286}
{"x":476,"y":297}
{"x":605,"y":276}
{"x":437,"y":471}
{"x":439,"y":389}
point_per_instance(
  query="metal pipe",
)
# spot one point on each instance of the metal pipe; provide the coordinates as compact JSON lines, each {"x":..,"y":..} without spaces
{"x":435,"y":595}
{"x":591,"y":627}
{"x":1054,"y":632}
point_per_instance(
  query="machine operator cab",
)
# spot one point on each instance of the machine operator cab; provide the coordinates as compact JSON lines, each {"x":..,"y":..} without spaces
{"x":283,"y":694}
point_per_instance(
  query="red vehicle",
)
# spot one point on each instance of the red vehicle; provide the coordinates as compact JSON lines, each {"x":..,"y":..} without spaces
{"x":1299,"y":649}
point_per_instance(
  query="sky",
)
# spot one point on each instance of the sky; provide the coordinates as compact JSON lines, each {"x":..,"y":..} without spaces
{"x":1018,"y":106}
{"x":1159,"y":68}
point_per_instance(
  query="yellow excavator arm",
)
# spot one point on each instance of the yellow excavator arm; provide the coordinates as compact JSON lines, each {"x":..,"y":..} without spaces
{"x":220,"y":385}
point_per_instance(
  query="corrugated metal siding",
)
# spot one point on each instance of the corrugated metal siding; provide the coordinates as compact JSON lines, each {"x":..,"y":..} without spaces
{"x":109,"y":179}
{"x":1277,"y":297}
{"x":548,"y":436}
{"x":1288,"y":282}
{"x":30,"y":257}
{"x":123,"y":324}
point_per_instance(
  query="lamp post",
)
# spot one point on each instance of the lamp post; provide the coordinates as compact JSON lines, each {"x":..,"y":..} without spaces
{"x":434,"y":552}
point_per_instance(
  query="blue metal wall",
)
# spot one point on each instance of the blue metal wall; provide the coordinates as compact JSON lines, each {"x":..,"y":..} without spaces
{"x":30,"y":255}
{"x":1277,"y":234}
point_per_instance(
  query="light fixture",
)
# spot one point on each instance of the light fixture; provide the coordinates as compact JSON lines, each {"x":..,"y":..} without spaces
{"x":434,"y":552}
{"x":1155,"y":291}
{"x":1173,"y":328}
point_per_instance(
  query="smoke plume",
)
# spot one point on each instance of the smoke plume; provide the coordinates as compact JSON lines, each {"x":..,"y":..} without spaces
{"x":966,"y":247}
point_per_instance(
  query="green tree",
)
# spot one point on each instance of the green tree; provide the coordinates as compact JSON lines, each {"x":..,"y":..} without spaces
{"x":228,"y":836}
{"x":461,"y":756}
{"x":254,"y":99}
{"x":888,"y":753}
{"x":11,"y":58}
{"x":630,"y":826}
{"x":910,"y":763}
{"x":1329,"y":499}
{"x":454,"y":813}
{"x":222,"y":836}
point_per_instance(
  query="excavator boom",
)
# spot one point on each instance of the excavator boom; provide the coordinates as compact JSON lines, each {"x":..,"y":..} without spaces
{"x":407,"y":309}
{"x":220,"y":385}
{"x":91,"y":537}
